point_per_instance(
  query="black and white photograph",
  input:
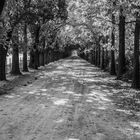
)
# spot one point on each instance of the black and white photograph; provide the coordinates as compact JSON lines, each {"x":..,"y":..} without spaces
{"x":69,"y":69}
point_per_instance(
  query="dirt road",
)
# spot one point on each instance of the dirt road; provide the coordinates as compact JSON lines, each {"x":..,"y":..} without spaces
{"x":70,"y":100}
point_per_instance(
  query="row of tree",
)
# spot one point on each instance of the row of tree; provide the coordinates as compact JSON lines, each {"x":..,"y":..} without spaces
{"x":25,"y":27}
{"x":107,"y":31}
{"x":113,"y":41}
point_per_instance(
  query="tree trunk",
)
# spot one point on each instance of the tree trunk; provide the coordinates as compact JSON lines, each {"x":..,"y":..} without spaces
{"x":102,"y":61}
{"x":87,"y":56}
{"x":52,"y":55}
{"x":3,"y":53}
{"x":136,"y":69}
{"x":92,"y":56}
{"x":25,"y":64}
{"x":41,"y":58}
{"x":15,"y":61}
{"x":36,"y":49}
{"x":45,"y":56}
{"x":42,"y":54}
{"x":112,"y":64}
{"x":36,"y":58}
{"x":106,"y":60}
{"x":2,"y":2}
{"x":99,"y":56}
{"x":49,"y":57}
{"x":31,"y":62}
{"x":121,"y":65}
{"x":96,"y":56}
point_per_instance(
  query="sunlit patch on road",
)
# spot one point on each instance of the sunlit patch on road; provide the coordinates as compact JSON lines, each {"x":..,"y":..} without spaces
{"x":9,"y":96}
{"x":71,"y":139}
{"x":68,"y":92}
{"x":44,"y":94}
{"x":102,"y":108}
{"x":43,"y":90}
{"x":60,"y":101}
{"x":88,"y":100}
{"x":59,"y":121}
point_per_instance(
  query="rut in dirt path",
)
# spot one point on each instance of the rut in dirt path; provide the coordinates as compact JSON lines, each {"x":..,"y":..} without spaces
{"x":70,"y":100}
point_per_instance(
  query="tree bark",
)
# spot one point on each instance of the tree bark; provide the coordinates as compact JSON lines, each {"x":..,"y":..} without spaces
{"x":99,"y":56}
{"x":112,"y":64}
{"x":92,"y":56}
{"x":136,"y":69}
{"x":49,"y":57}
{"x":96,"y":56}
{"x":36,"y":46}
{"x":45,"y":56}
{"x":121,"y":64}
{"x":15,"y":61}
{"x":94,"y":61}
{"x":3,"y":53}
{"x":25,"y":64}
{"x":87,"y":56}
{"x":2,"y":2}
{"x":42,"y":54}
{"x":41,"y":58}
{"x":31,"y":62}
{"x":103,"y":60}
{"x":106,"y":59}
{"x":36,"y":58}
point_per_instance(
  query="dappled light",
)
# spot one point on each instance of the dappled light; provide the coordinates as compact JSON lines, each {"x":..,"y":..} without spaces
{"x":80,"y":100}
{"x":60,"y":101}
{"x":71,"y":139}
{"x":69,"y":70}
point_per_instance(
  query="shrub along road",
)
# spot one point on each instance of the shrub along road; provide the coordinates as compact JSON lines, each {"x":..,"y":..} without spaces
{"x":71,"y":100}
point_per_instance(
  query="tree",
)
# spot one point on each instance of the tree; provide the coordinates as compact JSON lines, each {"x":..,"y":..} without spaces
{"x":2,"y":6}
{"x":15,"y":60}
{"x":25,"y":64}
{"x":136,"y":61}
{"x":121,"y":65}
{"x":112,"y":65}
{"x":102,"y":59}
{"x":136,"y":71}
{"x":3,"y":44}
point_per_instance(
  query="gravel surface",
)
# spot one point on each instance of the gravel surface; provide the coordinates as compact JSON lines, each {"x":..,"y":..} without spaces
{"x":68,"y":100}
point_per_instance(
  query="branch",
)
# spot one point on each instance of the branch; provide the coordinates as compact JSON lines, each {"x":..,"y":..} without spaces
{"x":128,"y":22}
{"x":107,"y":20}
{"x":101,"y":18}
{"x":90,"y":27}
{"x":21,"y":17}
